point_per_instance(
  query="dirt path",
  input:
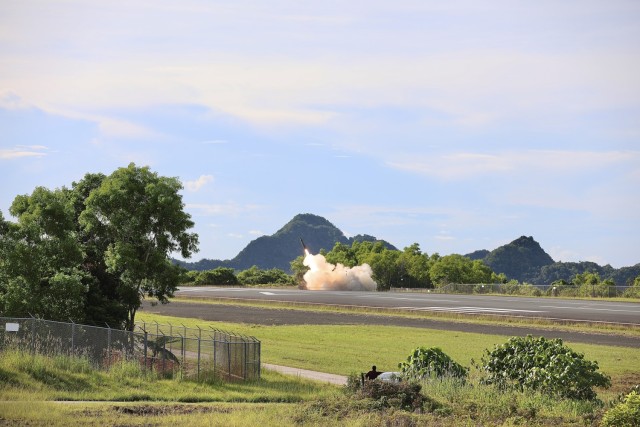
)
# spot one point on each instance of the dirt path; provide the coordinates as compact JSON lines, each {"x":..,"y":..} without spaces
{"x":305,"y":373}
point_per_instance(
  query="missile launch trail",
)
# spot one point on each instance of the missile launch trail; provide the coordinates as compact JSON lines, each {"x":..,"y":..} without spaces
{"x":326,"y":276}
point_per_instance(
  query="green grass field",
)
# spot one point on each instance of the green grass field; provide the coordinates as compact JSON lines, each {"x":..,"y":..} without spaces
{"x":344,"y":349}
{"x":33,"y":389}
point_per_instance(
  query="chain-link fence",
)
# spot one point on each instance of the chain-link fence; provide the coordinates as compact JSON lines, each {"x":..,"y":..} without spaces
{"x":202,"y":349}
{"x":167,"y":349}
{"x":593,"y":291}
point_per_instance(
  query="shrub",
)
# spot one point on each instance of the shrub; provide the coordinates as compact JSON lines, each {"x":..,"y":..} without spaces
{"x":401,"y":395}
{"x":632,"y":292}
{"x":431,"y":362}
{"x":625,"y":414}
{"x":544,"y":365}
{"x":380,"y":395}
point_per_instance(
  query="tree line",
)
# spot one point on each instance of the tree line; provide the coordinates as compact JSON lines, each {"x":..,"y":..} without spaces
{"x":90,"y":253}
{"x":225,"y":276}
{"x":412,"y":268}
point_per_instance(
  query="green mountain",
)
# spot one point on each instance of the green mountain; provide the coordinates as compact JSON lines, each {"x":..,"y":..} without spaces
{"x":519,"y":259}
{"x":526,"y":261}
{"x":523,"y":259}
{"x":279,"y":249}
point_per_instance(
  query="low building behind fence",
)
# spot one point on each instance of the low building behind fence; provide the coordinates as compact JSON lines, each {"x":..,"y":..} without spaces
{"x":167,"y":349}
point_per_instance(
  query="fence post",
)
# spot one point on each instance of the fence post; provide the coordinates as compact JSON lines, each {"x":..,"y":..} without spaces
{"x":215,"y":354}
{"x":183,"y":342}
{"x":171,"y":336}
{"x":199,"y":343}
{"x":164,"y":352}
{"x":108,"y":346}
{"x":145,"y":350}
{"x":73,"y":337}
{"x":228,"y":356}
{"x":246,"y":359}
{"x":33,"y":335}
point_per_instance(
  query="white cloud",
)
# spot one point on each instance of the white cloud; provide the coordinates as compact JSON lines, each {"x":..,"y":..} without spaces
{"x":467,"y":88}
{"x":465,"y":165}
{"x":21,"y":151}
{"x":444,"y":236}
{"x":123,"y":128}
{"x":196,"y":185}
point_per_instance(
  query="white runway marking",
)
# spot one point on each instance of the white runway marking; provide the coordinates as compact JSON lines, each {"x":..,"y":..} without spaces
{"x":267,"y":293}
{"x":589,"y":308}
{"x":212,"y":290}
{"x":470,"y":310}
{"x":404,"y":298}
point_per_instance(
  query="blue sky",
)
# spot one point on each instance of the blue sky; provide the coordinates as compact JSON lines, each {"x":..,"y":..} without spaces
{"x":458,"y":125}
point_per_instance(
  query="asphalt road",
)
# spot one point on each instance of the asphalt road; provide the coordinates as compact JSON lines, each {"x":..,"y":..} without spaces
{"x":547,"y":308}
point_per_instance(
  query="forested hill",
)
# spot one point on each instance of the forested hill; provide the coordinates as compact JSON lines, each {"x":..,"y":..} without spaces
{"x":526,"y":261}
{"x":279,"y":249}
{"x":523,"y":259}
{"x":520,"y":259}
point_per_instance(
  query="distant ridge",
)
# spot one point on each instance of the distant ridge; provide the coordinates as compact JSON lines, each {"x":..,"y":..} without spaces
{"x":522,"y":259}
{"x":279,"y":249}
{"x":526,"y":261}
{"x":519,"y":259}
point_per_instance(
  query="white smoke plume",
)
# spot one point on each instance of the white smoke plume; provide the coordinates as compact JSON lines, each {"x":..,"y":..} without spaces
{"x":324,"y":276}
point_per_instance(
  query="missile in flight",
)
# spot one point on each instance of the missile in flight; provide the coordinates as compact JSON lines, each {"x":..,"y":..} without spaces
{"x":303,"y":245}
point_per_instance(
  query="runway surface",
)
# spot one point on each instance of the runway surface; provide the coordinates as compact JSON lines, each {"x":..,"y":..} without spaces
{"x":547,"y":308}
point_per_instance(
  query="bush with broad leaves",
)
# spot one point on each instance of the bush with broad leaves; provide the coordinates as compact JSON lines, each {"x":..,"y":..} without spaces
{"x":543,"y":365}
{"x":429,"y":363}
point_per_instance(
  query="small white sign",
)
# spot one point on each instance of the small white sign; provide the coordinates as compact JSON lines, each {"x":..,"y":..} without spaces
{"x":12,"y":327}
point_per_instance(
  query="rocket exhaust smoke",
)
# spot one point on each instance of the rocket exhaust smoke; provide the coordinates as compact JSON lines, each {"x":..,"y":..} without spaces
{"x":324,"y":276}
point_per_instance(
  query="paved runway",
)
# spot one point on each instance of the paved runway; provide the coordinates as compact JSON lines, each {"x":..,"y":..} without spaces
{"x":548,"y":308}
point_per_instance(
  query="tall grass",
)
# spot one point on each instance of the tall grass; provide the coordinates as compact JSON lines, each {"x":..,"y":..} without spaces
{"x":490,"y":404}
{"x":36,"y":377}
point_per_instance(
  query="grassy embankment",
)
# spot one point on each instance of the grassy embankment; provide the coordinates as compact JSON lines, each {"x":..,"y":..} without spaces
{"x":29,"y":385}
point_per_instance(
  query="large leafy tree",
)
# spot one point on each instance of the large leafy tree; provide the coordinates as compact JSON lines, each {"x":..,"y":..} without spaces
{"x":104,"y":304}
{"x":141,"y":217}
{"x":414,"y":267}
{"x":40,"y":267}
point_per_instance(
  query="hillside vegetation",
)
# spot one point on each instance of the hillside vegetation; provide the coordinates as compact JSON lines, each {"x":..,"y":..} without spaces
{"x":280,"y":248}
{"x":523,"y":259}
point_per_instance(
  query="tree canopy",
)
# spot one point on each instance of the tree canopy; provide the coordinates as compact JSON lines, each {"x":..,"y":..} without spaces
{"x":93,"y":252}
